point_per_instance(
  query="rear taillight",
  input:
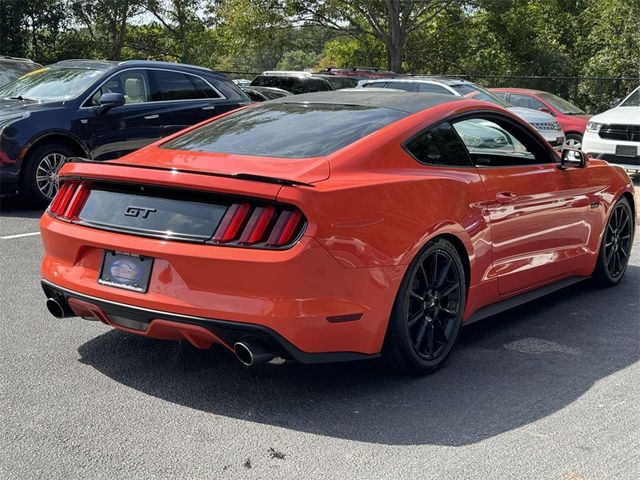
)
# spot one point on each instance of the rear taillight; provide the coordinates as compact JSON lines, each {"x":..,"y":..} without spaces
{"x":69,"y":200}
{"x":267,"y":226}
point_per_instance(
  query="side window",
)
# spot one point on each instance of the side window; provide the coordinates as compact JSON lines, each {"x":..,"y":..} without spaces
{"x":174,"y":86}
{"x":525,"y":101}
{"x":407,"y":86}
{"x":432,"y":88}
{"x":319,"y":85}
{"x":375,"y":85}
{"x":204,"y":89}
{"x":133,"y":84}
{"x":499,"y":144}
{"x":439,"y":145}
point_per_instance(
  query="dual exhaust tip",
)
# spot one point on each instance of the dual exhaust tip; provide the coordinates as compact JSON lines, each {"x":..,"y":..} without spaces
{"x":59,"y":309}
{"x":249,"y":353}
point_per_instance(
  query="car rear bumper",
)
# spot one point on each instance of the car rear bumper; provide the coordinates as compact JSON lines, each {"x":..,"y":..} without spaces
{"x":301,"y":300}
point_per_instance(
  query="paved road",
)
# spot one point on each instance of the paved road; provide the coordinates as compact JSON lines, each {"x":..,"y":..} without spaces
{"x":550,"y":390}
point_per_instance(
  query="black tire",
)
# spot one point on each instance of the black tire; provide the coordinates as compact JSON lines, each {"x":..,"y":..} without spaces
{"x":571,"y":140}
{"x":427,"y":313}
{"x":33,"y":186}
{"x":615,"y":249}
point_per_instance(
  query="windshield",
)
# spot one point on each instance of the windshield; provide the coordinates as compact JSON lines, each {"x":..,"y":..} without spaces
{"x":50,"y":84}
{"x":9,"y":73}
{"x":561,"y":104}
{"x":478,"y":93}
{"x":632,"y":100}
{"x":286,"y":130}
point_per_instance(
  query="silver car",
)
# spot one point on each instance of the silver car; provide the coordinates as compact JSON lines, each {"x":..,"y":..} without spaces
{"x":543,"y":122}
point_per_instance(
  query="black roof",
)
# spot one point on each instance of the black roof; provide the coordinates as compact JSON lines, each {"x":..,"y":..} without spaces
{"x":403,"y":101}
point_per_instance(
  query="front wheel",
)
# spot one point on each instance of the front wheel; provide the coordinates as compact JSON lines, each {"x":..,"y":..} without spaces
{"x":615,"y":249}
{"x":573,"y":141}
{"x":40,"y":177}
{"x":427,"y":313}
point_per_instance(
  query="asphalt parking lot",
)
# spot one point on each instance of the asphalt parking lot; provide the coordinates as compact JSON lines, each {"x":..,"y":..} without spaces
{"x":550,"y":390}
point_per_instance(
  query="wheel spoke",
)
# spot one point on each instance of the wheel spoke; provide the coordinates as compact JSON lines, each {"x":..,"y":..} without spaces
{"x":435,"y":269}
{"x":449,"y":311}
{"x":415,"y":318}
{"x":430,"y":338}
{"x":453,"y":287}
{"x":424,"y":275}
{"x":608,"y":257}
{"x":625,"y":219}
{"x":443,"y":274}
{"x":420,"y":336}
{"x":415,"y":295}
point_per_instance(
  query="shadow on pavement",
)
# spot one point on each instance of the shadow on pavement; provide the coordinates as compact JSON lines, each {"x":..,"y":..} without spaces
{"x":18,"y":207}
{"x":507,"y":372}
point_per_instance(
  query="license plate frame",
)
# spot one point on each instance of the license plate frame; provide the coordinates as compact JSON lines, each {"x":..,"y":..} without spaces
{"x":626,"y":151}
{"x":128,"y":271}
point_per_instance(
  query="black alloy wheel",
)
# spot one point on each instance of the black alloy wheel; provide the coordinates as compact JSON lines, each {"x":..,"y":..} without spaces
{"x":428,"y":311}
{"x":616,"y":245}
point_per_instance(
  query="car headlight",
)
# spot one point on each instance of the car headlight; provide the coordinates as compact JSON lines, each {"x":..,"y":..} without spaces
{"x":593,"y":127}
{"x":6,"y":121}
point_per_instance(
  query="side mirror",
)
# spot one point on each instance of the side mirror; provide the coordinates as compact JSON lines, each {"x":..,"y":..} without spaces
{"x":110,"y":100}
{"x":570,"y":158}
{"x":547,"y":110}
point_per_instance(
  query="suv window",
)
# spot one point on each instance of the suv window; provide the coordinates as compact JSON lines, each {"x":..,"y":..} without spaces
{"x":291,"y":84}
{"x":433,"y":88}
{"x":132,"y":84}
{"x":439,"y":145}
{"x":319,"y":85}
{"x":526,"y":101}
{"x":500,"y":144}
{"x":407,"y":86}
{"x":179,"y":86}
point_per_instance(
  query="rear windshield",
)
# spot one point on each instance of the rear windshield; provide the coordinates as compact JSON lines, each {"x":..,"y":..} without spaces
{"x":286,"y":130}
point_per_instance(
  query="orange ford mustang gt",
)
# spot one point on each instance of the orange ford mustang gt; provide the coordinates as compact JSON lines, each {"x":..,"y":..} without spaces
{"x":333,"y":226}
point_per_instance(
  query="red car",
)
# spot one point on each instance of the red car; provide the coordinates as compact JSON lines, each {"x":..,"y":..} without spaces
{"x":333,"y":226}
{"x":571,"y":118}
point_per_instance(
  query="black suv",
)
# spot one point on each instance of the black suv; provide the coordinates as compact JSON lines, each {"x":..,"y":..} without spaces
{"x":13,"y":67}
{"x":99,"y":110}
{"x":302,"y":82}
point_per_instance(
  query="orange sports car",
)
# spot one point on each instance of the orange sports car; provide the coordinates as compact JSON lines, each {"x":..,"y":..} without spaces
{"x":333,"y":226}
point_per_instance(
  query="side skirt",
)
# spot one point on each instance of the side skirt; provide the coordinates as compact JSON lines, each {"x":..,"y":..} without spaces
{"x":520,"y":299}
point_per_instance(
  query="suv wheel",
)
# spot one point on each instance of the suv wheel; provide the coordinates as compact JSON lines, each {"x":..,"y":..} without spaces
{"x":40,"y":179}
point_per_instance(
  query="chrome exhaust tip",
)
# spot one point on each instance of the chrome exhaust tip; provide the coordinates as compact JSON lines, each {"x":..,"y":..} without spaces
{"x":59,"y":309}
{"x":250,"y":353}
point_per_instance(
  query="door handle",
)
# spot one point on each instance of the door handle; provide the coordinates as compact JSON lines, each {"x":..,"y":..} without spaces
{"x":505,"y":197}
{"x":209,"y":107}
{"x":151,"y":117}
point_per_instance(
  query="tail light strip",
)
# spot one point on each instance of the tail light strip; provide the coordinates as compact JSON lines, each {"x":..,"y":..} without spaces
{"x":276,"y":226}
{"x":69,"y":200}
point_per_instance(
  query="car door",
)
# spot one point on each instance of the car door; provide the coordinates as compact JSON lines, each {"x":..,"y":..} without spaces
{"x":538,"y":213}
{"x":185,"y":99}
{"x":123,"y":129}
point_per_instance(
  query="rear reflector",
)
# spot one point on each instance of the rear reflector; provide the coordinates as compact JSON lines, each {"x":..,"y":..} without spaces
{"x":69,"y":200}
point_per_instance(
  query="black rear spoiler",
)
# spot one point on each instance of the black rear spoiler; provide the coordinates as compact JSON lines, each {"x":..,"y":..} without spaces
{"x":239,"y":175}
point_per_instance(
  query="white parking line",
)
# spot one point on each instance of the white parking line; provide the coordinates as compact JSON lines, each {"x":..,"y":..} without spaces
{"x":20,"y":235}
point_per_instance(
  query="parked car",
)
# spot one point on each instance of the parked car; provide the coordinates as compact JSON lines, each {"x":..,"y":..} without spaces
{"x":99,"y":110}
{"x":360,"y":73}
{"x":12,"y":68}
{"x":262,"y":94}
{"x":242,"y":82}
{"x":572,"y":119}
{"x":302,"y":82}
{"x":543,"y":122}
{"x":615,"y":134}
{"x":249,"y":243}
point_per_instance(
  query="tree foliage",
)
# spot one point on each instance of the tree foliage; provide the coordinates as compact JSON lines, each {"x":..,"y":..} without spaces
{"x":495,"y":42}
